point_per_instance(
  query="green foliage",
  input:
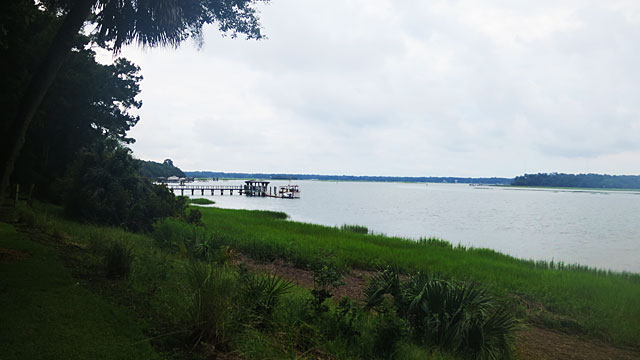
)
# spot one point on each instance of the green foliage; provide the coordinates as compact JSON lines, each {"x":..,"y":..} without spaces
{"x":210,"y":303}
{"x":389,"y":331}
{"x":326,"y":278}
{"x":344,"y":320}
{"x":201,"y":201}
{"x":434,"y":242}
{"x":104,"y":187}
{"x":358,"y":229}
{"x":120,"y":23}
{"x":457,"y":316}
{"x":190,"y":240}
{"x":604,"y":302}
{"x":88,"y":102}
{"x":46,"y":314}
{"x":592,"y":181}
{"x":154,"y":170}
{"x":193,"y":216}
{"x":261,"y":295}
{"x":118,"y":260}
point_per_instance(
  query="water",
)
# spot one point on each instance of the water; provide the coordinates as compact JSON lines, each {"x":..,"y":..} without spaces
{"x":595,"y":228}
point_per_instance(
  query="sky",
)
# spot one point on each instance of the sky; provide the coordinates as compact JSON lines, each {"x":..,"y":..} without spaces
{"x":402,"y":88}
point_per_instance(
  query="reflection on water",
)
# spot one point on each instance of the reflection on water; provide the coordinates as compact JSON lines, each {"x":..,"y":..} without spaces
{"x":595,"y":228}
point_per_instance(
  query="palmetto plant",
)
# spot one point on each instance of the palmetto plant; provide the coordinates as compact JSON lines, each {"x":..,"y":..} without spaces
{"x":458,"y":316}
{"x":261,"y":295}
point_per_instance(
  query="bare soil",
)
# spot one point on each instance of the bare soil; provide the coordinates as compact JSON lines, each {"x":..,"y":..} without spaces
{"x":532,"y":342}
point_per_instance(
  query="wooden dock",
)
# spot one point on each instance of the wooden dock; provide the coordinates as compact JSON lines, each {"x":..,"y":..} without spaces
{"x":251,"y":188}
{"x":209,"y":189}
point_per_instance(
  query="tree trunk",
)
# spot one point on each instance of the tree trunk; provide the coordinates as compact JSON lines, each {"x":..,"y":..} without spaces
{"x":38,"y":86}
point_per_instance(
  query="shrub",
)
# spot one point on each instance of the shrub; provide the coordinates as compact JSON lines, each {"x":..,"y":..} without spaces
{"x":261,"y":295}
{"x":343,"y":321}
{"x":118,"y":260}
{"x":457,"y":316}
{"x":389,"y":330}
{"x":210,"y":303}
{"x":104,"y":187}
{"x":193,"y":216}
{"x":326,"y":278}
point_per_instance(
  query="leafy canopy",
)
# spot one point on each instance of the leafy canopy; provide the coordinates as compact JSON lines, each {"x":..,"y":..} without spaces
{"x":166,"y":22}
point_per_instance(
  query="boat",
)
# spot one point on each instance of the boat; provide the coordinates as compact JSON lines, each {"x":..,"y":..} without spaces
{"x":289,"y":192}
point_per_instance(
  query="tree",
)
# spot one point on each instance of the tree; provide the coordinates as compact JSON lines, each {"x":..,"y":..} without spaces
{"x":86,"y":103}
{"x":120,"y":22}
{"x":105,"y":187}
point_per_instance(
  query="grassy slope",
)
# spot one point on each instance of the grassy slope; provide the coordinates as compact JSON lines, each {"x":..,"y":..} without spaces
{"x":46,"y":315}
{"x":164,"y":273}
{"x":601,"y":305}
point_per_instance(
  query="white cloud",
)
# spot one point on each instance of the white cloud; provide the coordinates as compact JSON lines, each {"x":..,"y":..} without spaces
{"x":417,"y":88}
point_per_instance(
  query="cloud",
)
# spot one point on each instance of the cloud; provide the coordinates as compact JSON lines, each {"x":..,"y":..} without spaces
{"x":461,"y":88}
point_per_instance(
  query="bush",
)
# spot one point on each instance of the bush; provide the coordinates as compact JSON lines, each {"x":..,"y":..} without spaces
{"x":118,"y":260}
{"x":389,"y":330}
{"x":105,"y":187}
{"x":326,"y":278}
{"x":344,"y":320}
{"x":210,"y":303}
{"x":456,"y":316}
{"x":194,"y":217}
{"x":261,"y":295}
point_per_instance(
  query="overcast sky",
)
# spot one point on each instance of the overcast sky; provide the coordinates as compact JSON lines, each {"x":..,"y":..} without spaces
{"x":411,"y":88}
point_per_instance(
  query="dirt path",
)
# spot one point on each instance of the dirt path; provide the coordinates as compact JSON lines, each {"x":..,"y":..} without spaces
{"x":537,"y":343}
{"x":532,"y":343}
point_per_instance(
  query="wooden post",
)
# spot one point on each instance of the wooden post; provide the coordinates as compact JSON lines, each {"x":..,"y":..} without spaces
{"x":17,"y":193}
{"x":30,"y":196}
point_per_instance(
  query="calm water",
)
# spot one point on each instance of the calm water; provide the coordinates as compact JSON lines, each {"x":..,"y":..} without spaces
{"x":595,"y":228}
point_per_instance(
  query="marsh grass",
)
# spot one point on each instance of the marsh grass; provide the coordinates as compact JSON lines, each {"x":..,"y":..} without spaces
{"x":174,"y":297}
{"x":201,"y":201}
{"x":603,"y":303}
{"x":358,"y":229}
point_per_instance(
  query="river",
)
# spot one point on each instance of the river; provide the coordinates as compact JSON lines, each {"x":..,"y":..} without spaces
{"x":595,"y":228}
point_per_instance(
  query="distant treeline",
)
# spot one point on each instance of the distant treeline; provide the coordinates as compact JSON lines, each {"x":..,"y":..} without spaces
{"x":211,"y":174}
{"x":579,"y":180}
{"x":153,"y":170}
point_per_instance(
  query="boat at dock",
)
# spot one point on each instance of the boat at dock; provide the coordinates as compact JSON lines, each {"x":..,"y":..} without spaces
{"x":289,"y":192}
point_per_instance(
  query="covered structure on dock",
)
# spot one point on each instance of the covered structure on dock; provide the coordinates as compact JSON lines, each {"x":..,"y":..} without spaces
{"x":256,"y":188}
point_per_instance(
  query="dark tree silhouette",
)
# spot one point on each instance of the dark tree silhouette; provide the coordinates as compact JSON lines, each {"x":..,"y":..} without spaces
{"x":120,"y":22}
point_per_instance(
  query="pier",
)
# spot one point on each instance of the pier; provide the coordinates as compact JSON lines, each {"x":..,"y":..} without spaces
{"x":250,"y":188}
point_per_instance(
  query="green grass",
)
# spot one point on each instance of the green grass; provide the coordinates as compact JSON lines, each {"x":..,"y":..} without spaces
{"x":161,"y":290}
{"x":573,"y":298}
{"x":46,"y":314}
{"x":201,"y":201}
{"x":588,"y":301}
